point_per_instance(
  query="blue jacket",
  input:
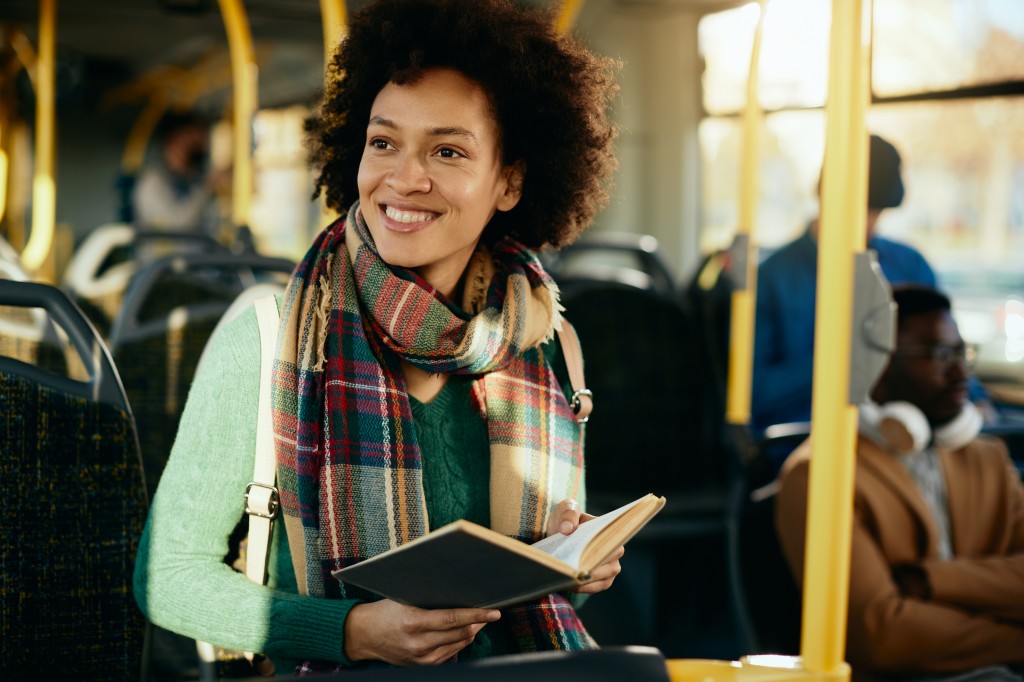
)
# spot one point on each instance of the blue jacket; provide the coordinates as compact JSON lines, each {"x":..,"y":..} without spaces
{"x":784,"y":331}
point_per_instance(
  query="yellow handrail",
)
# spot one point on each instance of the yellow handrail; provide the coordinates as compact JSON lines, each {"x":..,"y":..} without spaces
{"x":244,"y":76}
{"x":833,"y":418}
{"x":140,"y":133}
{"x":23,"y":52}
{"x":741,"y":329}
{"x":164,"y":87}
{"x":44,"y":189}
{"x":568,"y":14}
{"x":334,"y":18}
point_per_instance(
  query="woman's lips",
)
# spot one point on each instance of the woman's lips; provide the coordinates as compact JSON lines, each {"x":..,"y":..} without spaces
{"x":406,"y":220}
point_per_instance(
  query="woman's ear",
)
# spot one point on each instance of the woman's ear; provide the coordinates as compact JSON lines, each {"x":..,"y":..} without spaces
{"x":514,"y":176}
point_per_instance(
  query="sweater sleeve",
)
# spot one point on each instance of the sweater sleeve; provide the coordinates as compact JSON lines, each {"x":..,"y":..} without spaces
{"x":181,"y":580}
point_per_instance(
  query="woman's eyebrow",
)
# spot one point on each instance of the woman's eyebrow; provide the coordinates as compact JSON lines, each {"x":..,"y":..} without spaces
{"x":453,"y":130}
{"x":381,"y":121}
{"x":441,"y":131}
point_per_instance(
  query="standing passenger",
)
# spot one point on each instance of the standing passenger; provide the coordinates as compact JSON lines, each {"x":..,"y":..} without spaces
{"x":786,"y":294}
{"x":414,"y":381}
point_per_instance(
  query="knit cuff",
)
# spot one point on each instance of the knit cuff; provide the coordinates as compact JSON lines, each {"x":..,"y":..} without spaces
{"x":317,"y":629}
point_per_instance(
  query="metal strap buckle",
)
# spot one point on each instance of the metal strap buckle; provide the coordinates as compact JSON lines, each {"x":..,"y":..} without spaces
{"x":576,"y":405}
{"x":272,"y":501}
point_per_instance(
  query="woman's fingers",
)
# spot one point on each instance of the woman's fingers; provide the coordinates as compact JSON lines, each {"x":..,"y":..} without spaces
{"x":602,"y":577}
{"x":406,"y":635}
{"x":567,"y":517}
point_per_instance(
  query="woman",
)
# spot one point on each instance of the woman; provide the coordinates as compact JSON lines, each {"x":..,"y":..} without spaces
{"x":414,"y":382}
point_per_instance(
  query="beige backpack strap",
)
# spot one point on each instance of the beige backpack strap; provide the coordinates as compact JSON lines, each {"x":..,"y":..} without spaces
{"x":582,"y":399}
{"x":261,"y":498}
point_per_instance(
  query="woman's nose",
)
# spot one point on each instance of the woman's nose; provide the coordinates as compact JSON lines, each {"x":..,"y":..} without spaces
{"x":409,"y":175}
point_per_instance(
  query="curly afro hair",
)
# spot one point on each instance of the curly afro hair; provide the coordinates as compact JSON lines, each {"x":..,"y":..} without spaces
{"x":549,"y":96}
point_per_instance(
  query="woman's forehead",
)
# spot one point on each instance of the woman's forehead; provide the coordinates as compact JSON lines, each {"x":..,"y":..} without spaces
{"x":438,"y":96}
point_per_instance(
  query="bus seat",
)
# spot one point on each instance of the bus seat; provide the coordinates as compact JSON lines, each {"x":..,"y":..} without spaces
{"x":152,"y":244}
{"x":98,"y":273}
{"x":776,"y":444}
{"x":650,"y":430}
{"x":773,"y":597}
{"x":607,"y":664}
{"x":72,"y":507}
{"x":627,"y":258}
{"x":244,"y":300}
{"x":28,"y":334}
{"x":169,"y":311}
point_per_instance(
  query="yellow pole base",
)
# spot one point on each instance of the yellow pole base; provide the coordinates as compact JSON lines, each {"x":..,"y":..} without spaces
{"x":760,"y":668}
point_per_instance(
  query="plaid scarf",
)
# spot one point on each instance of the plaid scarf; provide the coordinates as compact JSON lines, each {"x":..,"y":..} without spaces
{"x":348,"y":464}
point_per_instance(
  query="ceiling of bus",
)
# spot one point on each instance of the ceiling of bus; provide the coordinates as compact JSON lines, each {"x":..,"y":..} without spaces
{"x":105,"y":44}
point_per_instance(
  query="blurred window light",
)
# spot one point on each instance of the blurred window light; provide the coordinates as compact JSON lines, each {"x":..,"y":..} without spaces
{"x":963,"y":168}
{"x":935,"y":45}
{"x":793,"y":60}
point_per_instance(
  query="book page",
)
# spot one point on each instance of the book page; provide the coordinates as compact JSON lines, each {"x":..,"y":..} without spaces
{"x":570,"y":547}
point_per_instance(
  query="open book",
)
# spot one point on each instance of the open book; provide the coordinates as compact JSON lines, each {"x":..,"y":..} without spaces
{"x":466,"y":565}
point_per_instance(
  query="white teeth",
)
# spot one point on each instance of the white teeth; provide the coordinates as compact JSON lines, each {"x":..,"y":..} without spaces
{"x":407,"y":216}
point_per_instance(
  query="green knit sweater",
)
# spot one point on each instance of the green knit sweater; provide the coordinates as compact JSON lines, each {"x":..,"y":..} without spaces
{"x":181,"y":580}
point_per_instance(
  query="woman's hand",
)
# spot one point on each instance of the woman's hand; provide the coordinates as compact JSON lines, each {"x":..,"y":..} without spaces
{"x":565,"y":520}
{"x":406,"y":635}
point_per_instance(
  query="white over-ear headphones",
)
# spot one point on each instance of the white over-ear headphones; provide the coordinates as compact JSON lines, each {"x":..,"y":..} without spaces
{"x":902,"y":428}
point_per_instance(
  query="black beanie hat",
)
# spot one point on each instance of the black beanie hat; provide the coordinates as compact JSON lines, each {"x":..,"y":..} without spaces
{"x":885,"y":186}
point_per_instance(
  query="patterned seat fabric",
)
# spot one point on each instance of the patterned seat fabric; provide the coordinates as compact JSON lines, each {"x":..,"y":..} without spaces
{"x":72,"y":508}
{"x":157,"y":370}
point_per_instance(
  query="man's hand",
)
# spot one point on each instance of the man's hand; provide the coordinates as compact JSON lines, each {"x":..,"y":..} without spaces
{"x":406,"y":635}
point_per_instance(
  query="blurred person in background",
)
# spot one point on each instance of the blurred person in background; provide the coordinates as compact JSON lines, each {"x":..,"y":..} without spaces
{"x":178,"y":192}
{"x":786,"y":295}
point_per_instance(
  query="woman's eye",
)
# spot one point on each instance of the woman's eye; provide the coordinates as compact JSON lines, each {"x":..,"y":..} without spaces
{"x":448,"y":153}
{"x":379,"y":144}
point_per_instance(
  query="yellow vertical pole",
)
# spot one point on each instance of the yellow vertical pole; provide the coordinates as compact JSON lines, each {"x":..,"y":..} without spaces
{"x":833,"y":418}
{"x":334,"y":18}
{"x":568,"y":14}
{"x":741,"y":329}
{"x":244,"y":74}
{"x":44,"y":186}
{"x":4,"y":166}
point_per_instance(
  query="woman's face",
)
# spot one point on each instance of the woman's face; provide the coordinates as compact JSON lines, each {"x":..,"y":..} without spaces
{"x":431,"y":174}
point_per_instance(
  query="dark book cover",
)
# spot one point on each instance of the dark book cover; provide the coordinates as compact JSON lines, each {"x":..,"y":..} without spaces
{"x":460,"y":565}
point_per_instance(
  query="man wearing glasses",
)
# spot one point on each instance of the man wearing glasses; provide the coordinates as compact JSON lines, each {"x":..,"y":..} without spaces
{"x":937,"y":562}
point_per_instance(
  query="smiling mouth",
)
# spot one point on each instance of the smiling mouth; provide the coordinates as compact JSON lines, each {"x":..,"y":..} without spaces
{"x":408,"y":219}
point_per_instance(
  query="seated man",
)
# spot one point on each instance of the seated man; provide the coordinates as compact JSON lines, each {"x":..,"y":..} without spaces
{"x":937,"y":564}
